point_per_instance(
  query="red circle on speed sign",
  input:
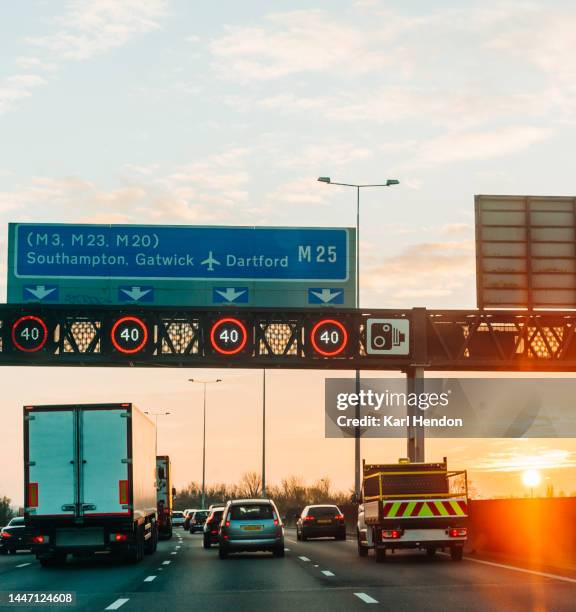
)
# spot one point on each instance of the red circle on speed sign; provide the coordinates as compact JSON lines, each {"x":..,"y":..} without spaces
{"x":228,"y":336}
{"x":329,"y":337}
{"x":129,"y":335}
{"x":29,"y":334}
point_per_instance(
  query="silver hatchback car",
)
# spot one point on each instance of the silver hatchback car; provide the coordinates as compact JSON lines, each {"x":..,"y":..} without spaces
{"x":251,"y":524}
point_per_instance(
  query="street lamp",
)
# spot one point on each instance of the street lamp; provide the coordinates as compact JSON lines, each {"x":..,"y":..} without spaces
{"x":156,"y":415}
{"x":388,"y":183}
{"x":204,"y":382}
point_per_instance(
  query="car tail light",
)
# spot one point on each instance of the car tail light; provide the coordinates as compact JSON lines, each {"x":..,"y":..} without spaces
{"x":120,"y":537}
{"x":5,"y":535}
{"x":391,"y":534}
{"x":339,"y":517}
{"x":214,"y":532}
{"x":457,"y":532}
{"x":39,"y":539}
{"x":276,"y":523}
{"x":309,"y":518}
{"x":227,"y":524}
{"x":226,"y":537}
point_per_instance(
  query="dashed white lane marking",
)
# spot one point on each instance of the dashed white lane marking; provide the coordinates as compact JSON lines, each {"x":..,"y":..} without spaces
{"x":521,"y":569}
{"x":178,"y":547}
{"x":366,"y":598}
{"x":166,"y":562}
{"x":286,"y":549}
{"x":327,"y":573}
{"x":173,"y":553}
{"x":117,"y":604}
{"x":316,"y":565}
{"x":149,"y":578}
{"x":24,"y":564}
{"x":305,"y":559}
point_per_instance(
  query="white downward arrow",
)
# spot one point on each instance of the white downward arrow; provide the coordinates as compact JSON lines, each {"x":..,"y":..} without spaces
{"x":326,"y":295}
{"x":40,"y":292}
{"x":135,"y":293}
{"x":230,"y":294}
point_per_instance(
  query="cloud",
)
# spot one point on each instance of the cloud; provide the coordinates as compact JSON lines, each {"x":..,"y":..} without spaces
{"x":516,"y":459}
{"x":17,"y":87}
{"x":327,"y":154}
{"x":424,"y":270}
{"x":92,"y":27}
{"x":458,"y":146}
{"x":209,"y":191}
{"x":88,"y":28}
{"x":305,"y":41}
{"x":301,"y":191}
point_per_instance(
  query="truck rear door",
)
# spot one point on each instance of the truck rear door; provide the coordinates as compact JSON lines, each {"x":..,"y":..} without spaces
{"x":52,"y":468}
{"x":105,"y":469}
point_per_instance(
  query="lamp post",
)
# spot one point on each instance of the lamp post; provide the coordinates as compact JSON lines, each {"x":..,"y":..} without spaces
{"x":388,"y":183}
{"x":204,"y":382}
{"x":156,"y":415}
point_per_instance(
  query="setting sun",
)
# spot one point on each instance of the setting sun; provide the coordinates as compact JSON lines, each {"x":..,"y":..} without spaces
{"x":531,"y":478}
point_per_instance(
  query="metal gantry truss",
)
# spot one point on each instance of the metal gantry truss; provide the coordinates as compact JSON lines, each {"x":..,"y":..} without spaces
{"x":442,"y":340}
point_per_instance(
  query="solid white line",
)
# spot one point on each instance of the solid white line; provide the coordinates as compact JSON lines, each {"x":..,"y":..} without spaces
{"x":166,"y":562}
{"x":24,"y":564}
{"x":117,"y":604}
{"x":521,"y":569}
{"x":149,"y":578}
{"x":327,"y":573}
{"x":366,"y":598}
{"x":305,"y":559}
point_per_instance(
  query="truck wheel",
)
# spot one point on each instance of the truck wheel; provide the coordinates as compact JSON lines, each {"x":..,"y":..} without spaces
{"x":380,"y":554}
{"x":152,"y":542}
{"x":362,"y":550}
{"x":456,"y":553}
{"x":136,"y":553}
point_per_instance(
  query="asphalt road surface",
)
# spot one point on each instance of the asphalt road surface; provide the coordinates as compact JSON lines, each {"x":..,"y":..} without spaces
{"x":314,"y":575}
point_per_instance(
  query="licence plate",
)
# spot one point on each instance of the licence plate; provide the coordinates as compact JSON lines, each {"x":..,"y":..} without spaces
{"x":251,"y":527}
{"x":323,"y":521}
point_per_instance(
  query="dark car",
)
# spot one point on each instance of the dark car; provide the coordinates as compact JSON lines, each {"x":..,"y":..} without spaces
{"x":212,"y":526}
{"x":321,"y":521}
{"x":197,"y":520}
{"x":15,"y":536}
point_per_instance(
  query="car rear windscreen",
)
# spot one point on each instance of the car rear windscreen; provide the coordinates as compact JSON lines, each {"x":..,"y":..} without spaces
{"x":324,"y":511}
{"x":217,"y":516}
{"x":251,"y":512}
{"x":177,"y":514}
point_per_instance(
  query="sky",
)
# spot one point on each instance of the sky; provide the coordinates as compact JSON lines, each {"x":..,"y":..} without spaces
{"x":161,"y":112}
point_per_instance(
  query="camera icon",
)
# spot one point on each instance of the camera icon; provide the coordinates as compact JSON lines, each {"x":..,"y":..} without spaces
{"x":387,"y":336}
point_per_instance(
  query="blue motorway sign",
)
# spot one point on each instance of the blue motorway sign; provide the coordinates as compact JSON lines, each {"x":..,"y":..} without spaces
{"x":181,"y":265}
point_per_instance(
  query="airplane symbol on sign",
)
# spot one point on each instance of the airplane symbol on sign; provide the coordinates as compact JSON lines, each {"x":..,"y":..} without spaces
{"x":210,"y":261}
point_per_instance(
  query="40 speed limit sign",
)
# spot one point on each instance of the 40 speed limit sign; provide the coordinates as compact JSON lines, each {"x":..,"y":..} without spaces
{"x":229,"y":336}
{"x":129,"y":335}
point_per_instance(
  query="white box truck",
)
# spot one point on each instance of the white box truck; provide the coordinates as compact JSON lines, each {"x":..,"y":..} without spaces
{"x":90,"y":481}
